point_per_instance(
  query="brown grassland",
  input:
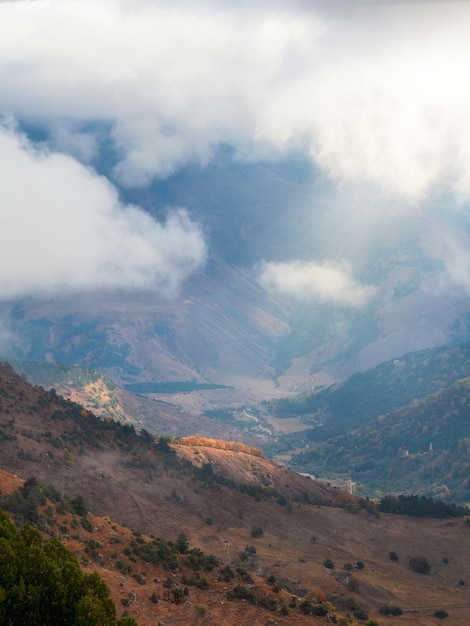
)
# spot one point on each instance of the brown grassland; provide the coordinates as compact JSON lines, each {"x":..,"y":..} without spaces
{"x":126,"y":479}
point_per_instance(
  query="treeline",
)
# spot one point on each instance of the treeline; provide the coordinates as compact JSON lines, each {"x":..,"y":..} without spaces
{"x":49,"y":374}
{"x":420,"y":506}
{"x":220,"y":444}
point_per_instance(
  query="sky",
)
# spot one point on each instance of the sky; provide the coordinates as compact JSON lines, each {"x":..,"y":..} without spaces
{"x":376,"y":95}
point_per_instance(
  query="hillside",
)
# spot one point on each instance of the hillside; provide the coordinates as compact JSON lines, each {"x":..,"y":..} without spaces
{"x":401,"y":426}
{"x":420,"y":448}
{"x":171,"y":408}
{"x":149,"y":578}
{"x":223,"y":501}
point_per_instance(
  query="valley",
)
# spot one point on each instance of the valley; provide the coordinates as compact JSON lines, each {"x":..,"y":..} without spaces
{"x":234,"y":313}
{"x":224,"y":498}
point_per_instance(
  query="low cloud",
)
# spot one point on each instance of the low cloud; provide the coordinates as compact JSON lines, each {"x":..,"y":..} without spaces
{"x":329,"y":282}
{"x":64,"y":228}
{"x":7,"y":337}
{"x":453,"y":248}
{"x":81,"y":145}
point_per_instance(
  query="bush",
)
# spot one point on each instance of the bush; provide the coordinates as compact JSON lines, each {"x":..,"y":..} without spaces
{"x":329,"y":564}
{"x":352,"y":604}
{"x":240,"y":591}
{"x":244,"y":574}
{"x":420,"y":564}
{"x":393,"y":556}
{"x":441,"y":614}
{"x":257,"y":531}
{"x":390,"y":610}
{"x":360,"y":614}
{"x":312,"y":608}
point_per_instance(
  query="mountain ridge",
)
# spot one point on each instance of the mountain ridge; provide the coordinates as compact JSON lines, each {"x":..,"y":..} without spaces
{"x":142,"y":481}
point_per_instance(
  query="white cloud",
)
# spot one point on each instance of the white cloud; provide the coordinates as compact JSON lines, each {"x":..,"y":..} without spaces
{"x":329,"y":282}
{"x":81,"y":145}
{"x":373,"y":93}
{"x":63,"y":227}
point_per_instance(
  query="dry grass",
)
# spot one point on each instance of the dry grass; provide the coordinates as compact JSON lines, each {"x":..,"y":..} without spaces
{"x":164,"y":497}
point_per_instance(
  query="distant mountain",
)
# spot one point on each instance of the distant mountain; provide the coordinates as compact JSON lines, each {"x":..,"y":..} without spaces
{"x":224,"y":328}
{"x":402,"y":426}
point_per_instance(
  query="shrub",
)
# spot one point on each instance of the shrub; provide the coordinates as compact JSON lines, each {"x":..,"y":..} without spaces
{"x":420,"y":564}
{"x":441,"y":614}
{"x":360,"y":614}
{"x":329,"y":564}
{"x":86,"y":524}
{"x":360,"y":565}
{"x":307,"y":607}
{"x":227,"y":574}
{"x":390,"y":610}
{"x":244,"y":574}
{"x":352,"y":604}
{"x":240,"y":591}
{"x":257,"y":531}
{"x":393,"y":556}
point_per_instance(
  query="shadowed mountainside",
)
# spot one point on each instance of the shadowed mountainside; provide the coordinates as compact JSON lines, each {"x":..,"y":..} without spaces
{"x":402,"y":426}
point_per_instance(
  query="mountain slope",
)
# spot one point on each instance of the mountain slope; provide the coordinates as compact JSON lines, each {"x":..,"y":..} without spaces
{"x":222,"y":500}
{"x":224,"y":326}
{"x":401,"y":426}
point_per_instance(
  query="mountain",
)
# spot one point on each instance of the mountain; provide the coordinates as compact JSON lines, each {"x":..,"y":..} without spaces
{"x":174,"y":408}
{"x":223,"y":498}
{"x":401,"y":426}
{"x":225,"y":326}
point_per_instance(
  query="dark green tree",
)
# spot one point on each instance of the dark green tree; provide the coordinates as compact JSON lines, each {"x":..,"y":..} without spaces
{"x":41,"y":583}
{"x":182,"y":543}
